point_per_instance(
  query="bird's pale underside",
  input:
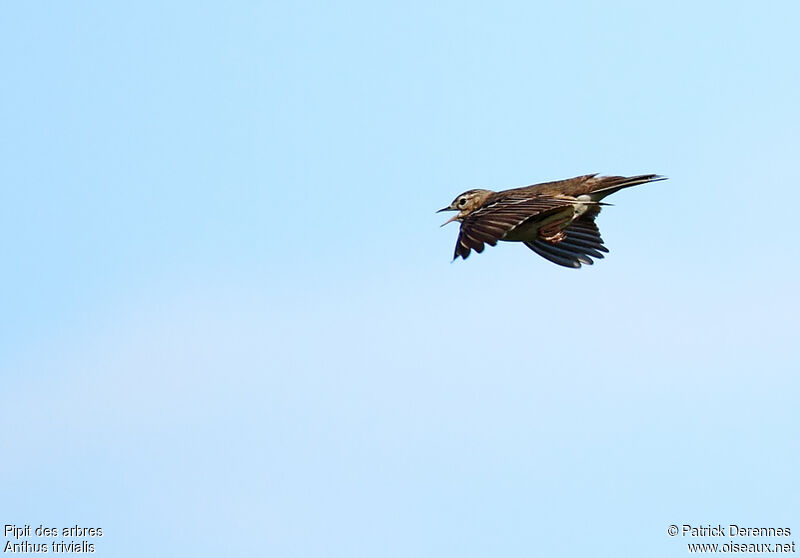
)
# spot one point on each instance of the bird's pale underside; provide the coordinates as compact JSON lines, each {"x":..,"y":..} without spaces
{"x":554,"y":219}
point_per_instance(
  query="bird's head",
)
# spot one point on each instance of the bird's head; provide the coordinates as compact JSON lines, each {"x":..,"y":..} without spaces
{"x":466,"y":203}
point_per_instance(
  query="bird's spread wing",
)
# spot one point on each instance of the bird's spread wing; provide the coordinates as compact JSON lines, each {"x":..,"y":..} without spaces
{"x":577,"y":244}
{"x":495,"y":220}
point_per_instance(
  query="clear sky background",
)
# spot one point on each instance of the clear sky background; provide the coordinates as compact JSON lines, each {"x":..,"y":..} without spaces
{"x":230,"y":321}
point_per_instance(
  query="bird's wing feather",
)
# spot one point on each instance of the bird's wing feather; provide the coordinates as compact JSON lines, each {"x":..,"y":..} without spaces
{"x":493,"y":221}
{"x":580,"y":243}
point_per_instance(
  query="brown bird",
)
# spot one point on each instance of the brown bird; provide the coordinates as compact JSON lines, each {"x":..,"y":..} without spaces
{"x":554,"y":219}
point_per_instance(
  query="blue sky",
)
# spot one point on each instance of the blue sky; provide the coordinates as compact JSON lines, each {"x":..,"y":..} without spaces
{"x":232,"y":326}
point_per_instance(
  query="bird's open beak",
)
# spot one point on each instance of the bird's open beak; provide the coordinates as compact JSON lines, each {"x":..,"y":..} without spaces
{"x":450,"y":220}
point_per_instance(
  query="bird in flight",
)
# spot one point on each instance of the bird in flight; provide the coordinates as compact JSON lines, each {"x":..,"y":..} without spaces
{"x":554,"y":219}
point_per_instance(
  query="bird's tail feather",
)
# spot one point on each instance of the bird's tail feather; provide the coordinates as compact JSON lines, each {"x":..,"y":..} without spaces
{"x":607,"y":185}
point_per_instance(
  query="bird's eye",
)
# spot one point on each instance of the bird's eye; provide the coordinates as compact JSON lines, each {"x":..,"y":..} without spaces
{"x":462,"y":201}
